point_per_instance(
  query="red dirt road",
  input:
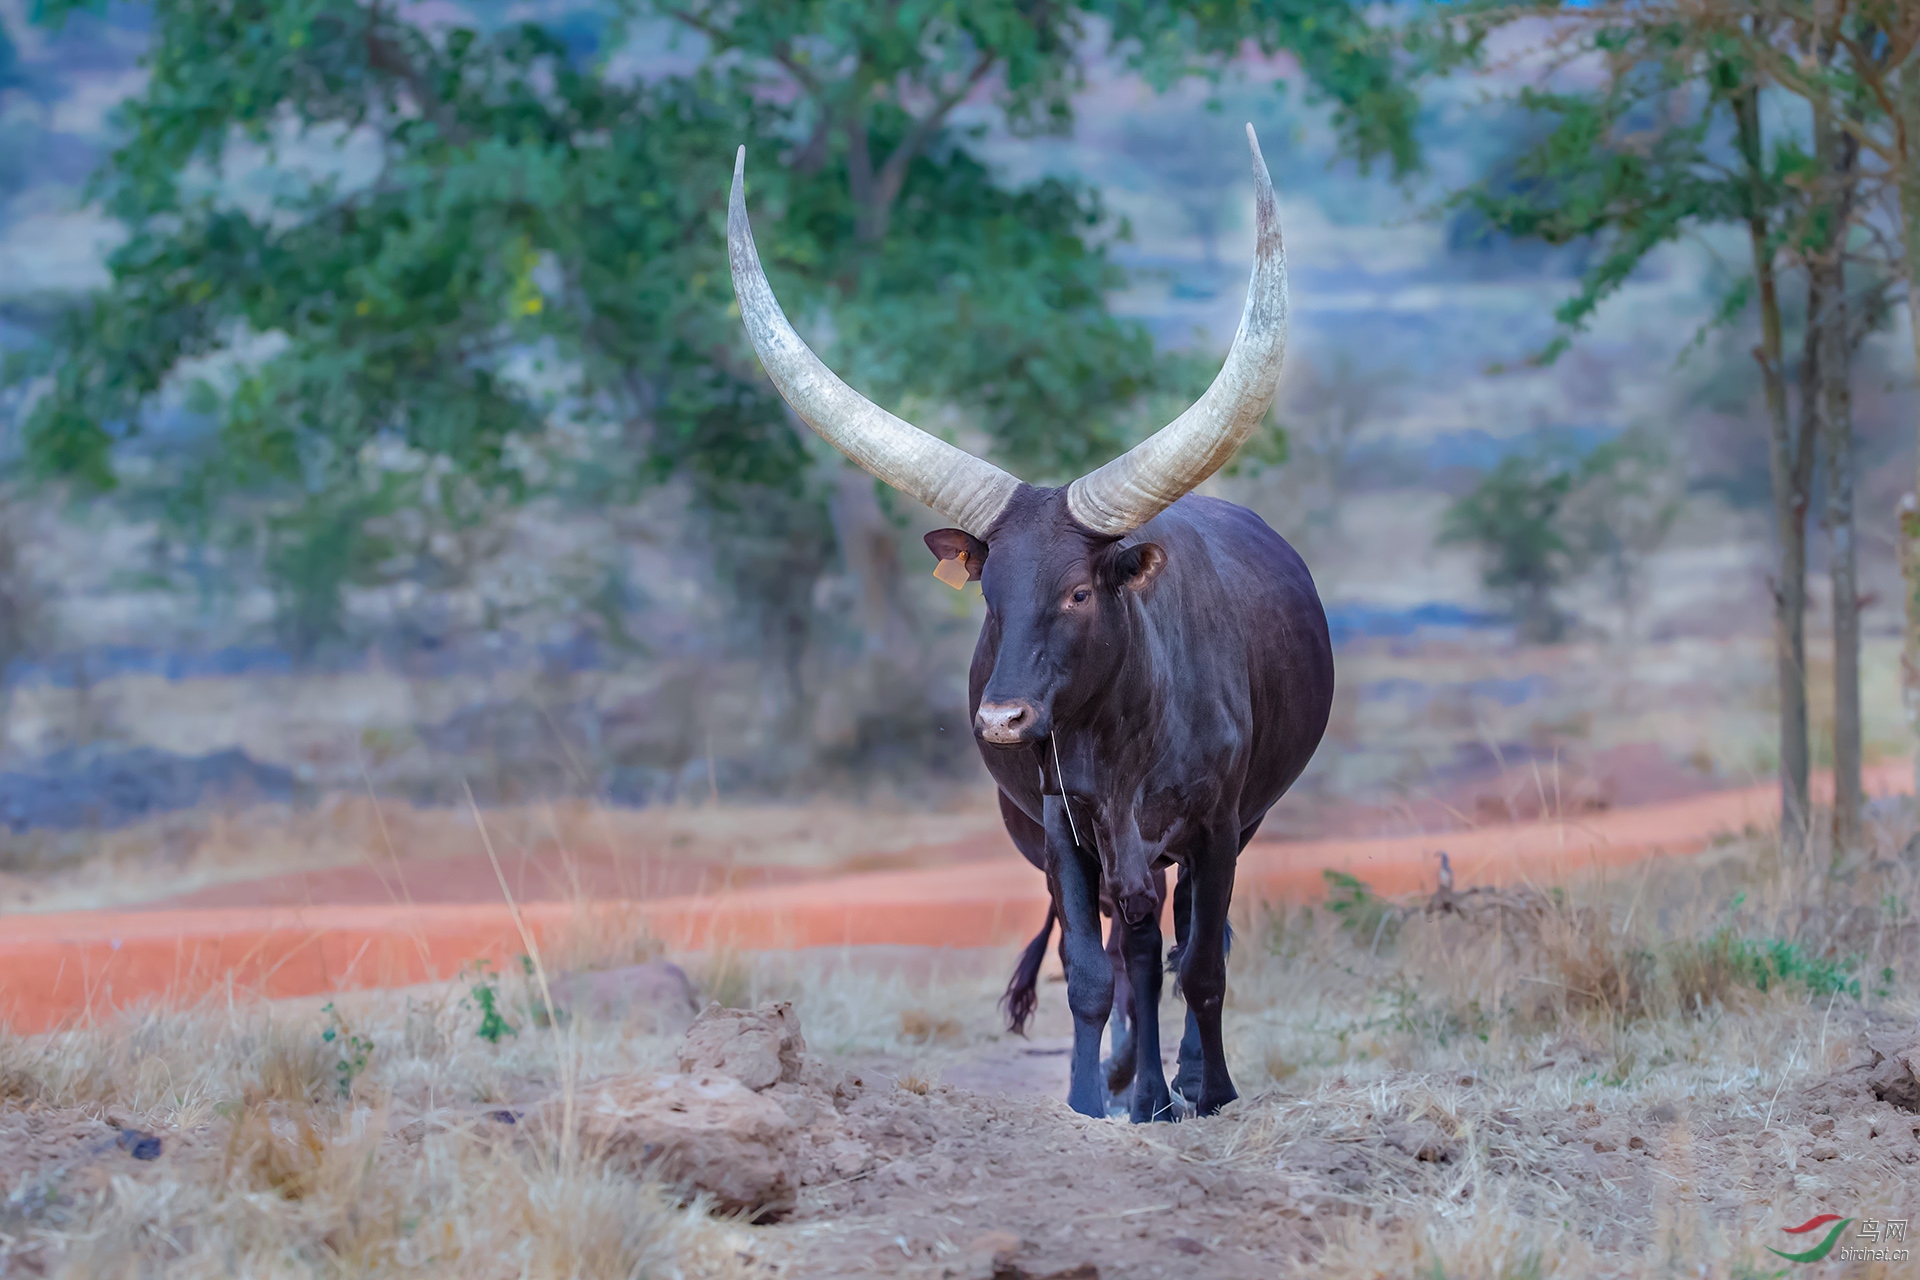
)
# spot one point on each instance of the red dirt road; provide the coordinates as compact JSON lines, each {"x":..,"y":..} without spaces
{"x":60,"y":969}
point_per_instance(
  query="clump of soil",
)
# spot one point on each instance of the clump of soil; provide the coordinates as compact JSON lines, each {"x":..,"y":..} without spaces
{"x":993,"y":1187}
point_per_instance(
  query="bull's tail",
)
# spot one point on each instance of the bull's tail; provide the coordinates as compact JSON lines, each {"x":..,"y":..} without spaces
{"x":1178,"y":952}
{"x":1020,"y":996}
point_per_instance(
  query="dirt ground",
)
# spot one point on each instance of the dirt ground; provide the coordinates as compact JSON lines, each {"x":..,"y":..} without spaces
{"x":1653,"y":1075}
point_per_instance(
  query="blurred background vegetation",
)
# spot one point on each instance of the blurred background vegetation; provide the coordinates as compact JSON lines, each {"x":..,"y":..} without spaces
{"x":376,"y":410}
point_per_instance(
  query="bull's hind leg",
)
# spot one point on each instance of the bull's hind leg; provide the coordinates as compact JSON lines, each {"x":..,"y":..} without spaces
{"x":1119,"y":1065}
{"x":1186,"y":1077}
{"x":1076,"y":876}
{"x":1203,"y":968}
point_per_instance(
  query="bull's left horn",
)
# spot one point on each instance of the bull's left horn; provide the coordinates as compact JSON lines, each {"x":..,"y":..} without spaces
{"x":970,"y":492}
{"x":1151,"y":476}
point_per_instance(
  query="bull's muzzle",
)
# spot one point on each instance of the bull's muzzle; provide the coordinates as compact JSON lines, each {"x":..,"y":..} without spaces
{"x":1006,"y":724}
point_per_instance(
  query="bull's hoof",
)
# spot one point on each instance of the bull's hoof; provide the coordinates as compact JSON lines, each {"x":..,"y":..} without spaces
{"x":1089,"y":1101}
{"x":1210,"y":1102}
{"x":1186,"y":1081}
{"x":1150,"y":1106}
{"x":1119,"y":1073}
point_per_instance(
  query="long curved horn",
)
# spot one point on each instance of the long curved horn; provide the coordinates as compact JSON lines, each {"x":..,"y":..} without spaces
{"x":1144,"y":481}
{"x":969,"y":491}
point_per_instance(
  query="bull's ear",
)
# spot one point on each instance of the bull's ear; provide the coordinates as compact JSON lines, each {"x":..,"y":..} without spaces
{"x":1139,"y":565}
{"x":952,"y":544}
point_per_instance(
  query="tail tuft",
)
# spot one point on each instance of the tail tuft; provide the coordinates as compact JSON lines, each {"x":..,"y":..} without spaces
{"x":1021,"y":997}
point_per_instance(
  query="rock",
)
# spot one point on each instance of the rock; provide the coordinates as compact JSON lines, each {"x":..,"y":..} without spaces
{"x":141,"y":1146}
{"x":705,"y":1133}
{"x":1340,"y":1163}
{"x":758,"y":1047}
{"x":988,"y":1257}
{"x":1568,"y":1050}
{"x":1420,"y":1139}
{"x":997,"y":1256}
{"x":656,"y":994}
{"x":1895,"y":1074}
{"x":848,"y":1157}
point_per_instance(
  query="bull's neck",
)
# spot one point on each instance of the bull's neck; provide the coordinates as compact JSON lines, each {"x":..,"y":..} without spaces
{"x":1103,"y":744}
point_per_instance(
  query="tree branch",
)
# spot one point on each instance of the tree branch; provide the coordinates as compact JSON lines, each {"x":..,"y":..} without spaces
{"x":893,"y":174}
{"x":781,"y":51}
{"x":385,"y":54}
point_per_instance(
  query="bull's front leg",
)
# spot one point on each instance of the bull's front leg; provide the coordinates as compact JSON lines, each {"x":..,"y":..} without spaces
{"x":1076,"y":877}
{"x":1203,"y":965}
{"x":1145,"y":951}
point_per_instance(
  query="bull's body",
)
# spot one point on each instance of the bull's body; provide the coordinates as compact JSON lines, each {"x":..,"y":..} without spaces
{"x":1153,"y":675}
{"x":1210,"y":714}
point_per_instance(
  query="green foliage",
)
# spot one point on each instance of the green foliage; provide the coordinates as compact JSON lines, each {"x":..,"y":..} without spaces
{"x":371,"y":263}
{"x":1727,"y":959}
{"x":1544,"y":515}
{"x":11,"y":77}
{"x":1363,"y":913}
{"x":484,"y":996}
{"x":355,"y":1050}
{"x":1362,"y":70}
{"x":1640,"y":158}
{"x":1513,"y":517}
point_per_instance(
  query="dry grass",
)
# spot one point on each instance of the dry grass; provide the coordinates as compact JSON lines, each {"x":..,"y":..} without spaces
{"x":379,"y":1150}
{"x":272,"y":1168}
{"x":1431,"y":1088}
{"x":1515,"y":1025}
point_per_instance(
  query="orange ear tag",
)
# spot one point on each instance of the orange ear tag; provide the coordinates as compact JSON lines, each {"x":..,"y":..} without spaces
{"x":953,"y":572}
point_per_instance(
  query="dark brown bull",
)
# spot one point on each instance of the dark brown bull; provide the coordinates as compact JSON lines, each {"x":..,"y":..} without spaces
{"x":1154,"y":671}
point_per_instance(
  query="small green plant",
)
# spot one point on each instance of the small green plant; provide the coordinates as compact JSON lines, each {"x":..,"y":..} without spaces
{"x":485,"y":995}
{"x":355,"y":1050}
{"x":1717,"y":967}
{"x":1363,"y":913}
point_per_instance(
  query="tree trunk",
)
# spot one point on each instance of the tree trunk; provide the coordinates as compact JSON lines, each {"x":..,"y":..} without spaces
{"x":1908,"y":532}
{"x":868,"y":542}
{"x":1793,"y":495}
{"x":1839,"y":153}
{"x":1907,"y":535}
{"x":1791,"y":468}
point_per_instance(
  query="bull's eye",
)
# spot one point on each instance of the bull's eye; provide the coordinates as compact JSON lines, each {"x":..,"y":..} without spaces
{"x":1080,"y":595}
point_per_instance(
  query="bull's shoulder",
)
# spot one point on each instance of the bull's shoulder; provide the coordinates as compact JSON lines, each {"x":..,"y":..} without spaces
{"x":1209,"y":540}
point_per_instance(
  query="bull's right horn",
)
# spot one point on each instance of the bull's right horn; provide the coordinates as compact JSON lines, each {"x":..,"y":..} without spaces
{"x":1150,"y":477}
{"x":970,"y":492}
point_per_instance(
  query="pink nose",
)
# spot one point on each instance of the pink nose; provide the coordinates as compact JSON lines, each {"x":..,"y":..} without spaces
{"x":1005,"y":723}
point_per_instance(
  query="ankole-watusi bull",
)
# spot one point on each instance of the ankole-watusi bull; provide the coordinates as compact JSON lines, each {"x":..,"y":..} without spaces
{"x":1153,"y":674}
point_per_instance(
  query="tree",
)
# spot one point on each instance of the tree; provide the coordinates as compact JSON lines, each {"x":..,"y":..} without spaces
{"x":1623,"y":505}
{"x":1869,"y":68}
{"x":1513,"y":516}
{"x":1837,"y":60}
{"x":1642,"y":159}
{"x":529,"y":294}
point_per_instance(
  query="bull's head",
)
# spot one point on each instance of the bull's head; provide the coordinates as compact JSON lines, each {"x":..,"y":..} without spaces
{"x":1059,"y":580}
